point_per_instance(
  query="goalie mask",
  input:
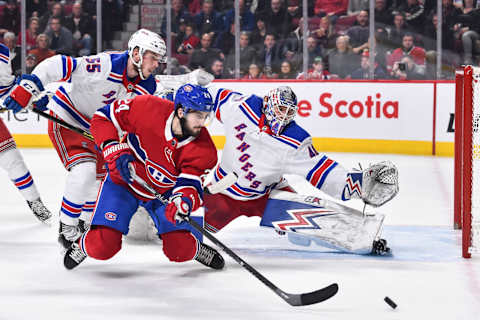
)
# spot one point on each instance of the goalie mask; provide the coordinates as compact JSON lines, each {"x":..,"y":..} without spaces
{"x":146,"y":40}
{"x":280,"y":108}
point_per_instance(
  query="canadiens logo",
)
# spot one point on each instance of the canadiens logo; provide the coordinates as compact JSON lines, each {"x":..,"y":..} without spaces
{"x":159,"y":175}
{"x":302,"y":219}
{"x":110,"y":216}
{"x":188,"y":88}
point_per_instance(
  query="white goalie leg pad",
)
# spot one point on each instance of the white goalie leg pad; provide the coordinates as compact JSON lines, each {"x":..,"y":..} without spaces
{"x":326,"y":223}
{"x":142,"y":228}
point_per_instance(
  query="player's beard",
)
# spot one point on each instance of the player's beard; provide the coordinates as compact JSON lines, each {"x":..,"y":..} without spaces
{"x":188,"y":131}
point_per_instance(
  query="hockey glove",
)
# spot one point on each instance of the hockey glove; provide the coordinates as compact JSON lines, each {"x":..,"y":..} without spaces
{"x":178,"y":207}
{"x":118,"y":156}
{"x":29,"y":89}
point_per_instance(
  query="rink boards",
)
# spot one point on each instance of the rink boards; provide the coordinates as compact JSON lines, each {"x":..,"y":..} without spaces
{"x":414,"y":117}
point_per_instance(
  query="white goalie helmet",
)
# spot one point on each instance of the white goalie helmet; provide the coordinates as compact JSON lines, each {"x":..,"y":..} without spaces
{"x":280,"y":108}
{"x":146,"y":40}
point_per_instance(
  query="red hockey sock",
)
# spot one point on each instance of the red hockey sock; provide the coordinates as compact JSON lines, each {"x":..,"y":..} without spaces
{"x":179,"y":246}
{"x":102,"y":242}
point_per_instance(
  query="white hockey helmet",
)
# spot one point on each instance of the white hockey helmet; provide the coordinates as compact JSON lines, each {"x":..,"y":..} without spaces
{"x":146,"y":40}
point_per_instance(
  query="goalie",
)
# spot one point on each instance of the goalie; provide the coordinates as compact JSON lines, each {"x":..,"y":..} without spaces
{"x":263,"y":143}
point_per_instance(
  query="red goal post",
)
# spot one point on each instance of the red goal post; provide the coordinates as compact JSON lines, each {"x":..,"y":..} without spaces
{"x":467,"y":158}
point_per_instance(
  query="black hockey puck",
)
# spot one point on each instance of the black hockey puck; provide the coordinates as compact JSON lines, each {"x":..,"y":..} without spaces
{"x":390,"y":302}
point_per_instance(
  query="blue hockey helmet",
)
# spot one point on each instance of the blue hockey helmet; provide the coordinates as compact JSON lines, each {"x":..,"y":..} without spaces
{"x":280,"y":108}
{"x":193,"y":97}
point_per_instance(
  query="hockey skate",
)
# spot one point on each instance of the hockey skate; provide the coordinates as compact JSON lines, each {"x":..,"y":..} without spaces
{"x":209,"y":257}
{"x":73,"y":256}
{"x":67,"y":234}
{"x":83,"y":225}
{"x":40,"y":211}
{"x":380,"y":248}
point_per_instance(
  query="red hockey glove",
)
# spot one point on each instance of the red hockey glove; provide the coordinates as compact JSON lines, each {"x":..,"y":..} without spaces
{"x":118,"y":156}
{"x":177,"y":208}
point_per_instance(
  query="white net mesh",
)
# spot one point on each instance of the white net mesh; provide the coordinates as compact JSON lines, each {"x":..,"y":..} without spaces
{"x":475,"y":229}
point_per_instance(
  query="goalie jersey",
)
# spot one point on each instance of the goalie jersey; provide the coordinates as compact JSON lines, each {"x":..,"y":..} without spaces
{"x":259,"y":158}
{"x":88,"y":83}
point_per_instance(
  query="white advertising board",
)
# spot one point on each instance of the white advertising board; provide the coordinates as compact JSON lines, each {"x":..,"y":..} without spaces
{"x":445,"y":127}
{"x":357,"y":110}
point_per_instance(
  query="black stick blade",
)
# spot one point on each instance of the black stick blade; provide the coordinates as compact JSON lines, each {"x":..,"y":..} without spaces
{"x":306,"y":299}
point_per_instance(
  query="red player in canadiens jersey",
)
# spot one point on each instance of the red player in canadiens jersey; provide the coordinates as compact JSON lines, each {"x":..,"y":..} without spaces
{"x":169,"y":148}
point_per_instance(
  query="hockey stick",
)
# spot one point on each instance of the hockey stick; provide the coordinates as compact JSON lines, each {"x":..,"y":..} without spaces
{"x":61,"y":122}
{"x":292,"y":299}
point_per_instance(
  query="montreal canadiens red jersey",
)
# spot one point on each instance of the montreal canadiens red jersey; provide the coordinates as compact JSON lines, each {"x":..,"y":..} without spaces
{"x":145,"y":123}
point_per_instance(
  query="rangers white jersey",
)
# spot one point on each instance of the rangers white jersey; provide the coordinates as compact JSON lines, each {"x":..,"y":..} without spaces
{"x":259,"y":158}
{"x":92,"y":82}
{"x":7,"y":79}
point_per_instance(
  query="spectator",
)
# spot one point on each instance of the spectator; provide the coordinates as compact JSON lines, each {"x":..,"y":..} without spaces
{"x":36,"y":8}
{"x":226,"y":40}
{"x":358,"y":33}
{"x":176,"y":68}
{"x":82,"y":28}
{"x":193,"y":6}
{"x":407,"y":49}
{"x":204,"y":56}
{"x":55,"y":11}
{"x":218,"y":70}
{"x":399,"y":29}
{"x":341,"y":60}
{"x":407,"y":69}
{"x":247,"y":19}
{"x":287,"y":71}
{"x":331,"y":8}
{"x":42,"y":51}
{"x":317,"y":73}
{"x":277,"y":19}
{"x":258,"y":35}
{"x":10,"y":18}
{"x":178,"y":13}
{"x":364,"y":71}
{"x":247,"y":55}
{"x":270,"y":56}
{"x":414,"y":14}
{"x":355,"y":6}
{"x":325,"y":34}
{"x":254,"y":72}
{"x":468,"y":30}
{"x":189,"y":41}
{"x":15,"y":52}
{"x":208,"y":20}
{"x":314,"y":50}
{"x":31,"y":32}
{"x":30,"y":63}
{"x":383,"y":14}
{"x":61,"y":37}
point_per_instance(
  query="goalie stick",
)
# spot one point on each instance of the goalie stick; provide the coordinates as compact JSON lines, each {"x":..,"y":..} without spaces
{"x":302,"y":299}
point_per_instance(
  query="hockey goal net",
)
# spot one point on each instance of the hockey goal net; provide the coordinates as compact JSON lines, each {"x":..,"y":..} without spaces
{"x":467,"y":158}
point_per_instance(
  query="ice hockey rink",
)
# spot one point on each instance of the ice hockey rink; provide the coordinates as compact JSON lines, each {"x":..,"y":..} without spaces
{"x":426,"y":275}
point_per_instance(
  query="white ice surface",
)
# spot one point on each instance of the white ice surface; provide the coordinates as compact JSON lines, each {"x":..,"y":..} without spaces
{"x":426,"y":277}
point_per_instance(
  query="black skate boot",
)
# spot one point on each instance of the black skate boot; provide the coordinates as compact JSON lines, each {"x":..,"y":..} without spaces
{"x":209,"y":257}
{"x":380,"y":248}
{"x":67,"y":234}
{"x":83,"y":225}
{"x":40,"y":211}
{"x":73,"y":256}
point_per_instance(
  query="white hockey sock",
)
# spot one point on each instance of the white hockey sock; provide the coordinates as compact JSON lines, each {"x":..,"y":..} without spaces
{"x":79,"y":182}
{"x":89,"y":205}
{"x":11,"y":160}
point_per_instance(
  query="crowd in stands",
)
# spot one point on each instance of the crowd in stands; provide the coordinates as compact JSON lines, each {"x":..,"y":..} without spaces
{"x":271,"y":37}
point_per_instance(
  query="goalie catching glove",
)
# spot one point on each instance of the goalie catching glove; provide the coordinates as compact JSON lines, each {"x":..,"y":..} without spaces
{"x":375,"y":185}
{"x":29,"y":89}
